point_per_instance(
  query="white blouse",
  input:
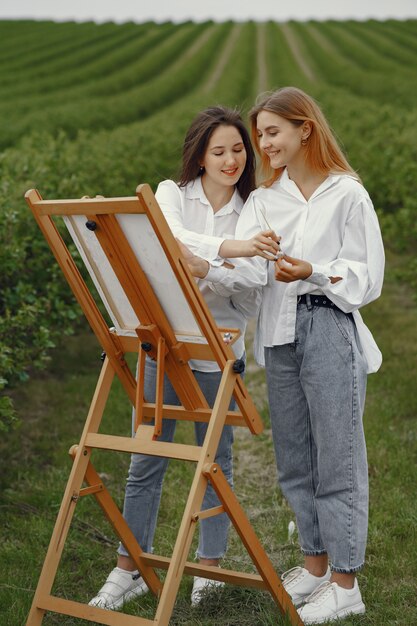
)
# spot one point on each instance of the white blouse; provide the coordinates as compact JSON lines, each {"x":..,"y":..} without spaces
{"x":193,"y":221}
{"x":337,"y":231}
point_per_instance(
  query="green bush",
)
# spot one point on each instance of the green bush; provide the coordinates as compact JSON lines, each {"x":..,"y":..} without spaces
{"x":107,"y":145}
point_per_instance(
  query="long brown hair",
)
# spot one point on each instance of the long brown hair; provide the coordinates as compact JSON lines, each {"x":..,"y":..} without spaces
{"x":322,"y":151}
{"x":198,"y":137}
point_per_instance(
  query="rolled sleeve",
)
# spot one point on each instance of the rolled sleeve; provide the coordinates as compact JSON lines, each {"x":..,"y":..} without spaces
{"x":319,"y":275}
{"x":248,"y":273}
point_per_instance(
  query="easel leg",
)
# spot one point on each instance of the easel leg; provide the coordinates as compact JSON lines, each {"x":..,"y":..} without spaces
{"x":70,"y":498}
{"x":249,"y":538}
{"x":195,"y":499}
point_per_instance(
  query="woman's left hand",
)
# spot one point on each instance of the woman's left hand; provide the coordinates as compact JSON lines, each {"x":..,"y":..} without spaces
{"x":288,"y":269}
{"x":197,"y":266}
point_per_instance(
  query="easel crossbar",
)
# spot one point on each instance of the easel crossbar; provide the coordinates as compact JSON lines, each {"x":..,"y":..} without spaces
{"x":234,"y":418}
{"x":154,"y":448}
{"x":90,"y":613}
{"x":90,"y":206}
{"x":241,"y":579}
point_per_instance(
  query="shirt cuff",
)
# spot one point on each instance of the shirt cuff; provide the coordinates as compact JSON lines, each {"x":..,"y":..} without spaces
{"x":215,"y":273}
{"x":207,"y":247}
{"x":319,"y":275}
{"x":219,"y":260}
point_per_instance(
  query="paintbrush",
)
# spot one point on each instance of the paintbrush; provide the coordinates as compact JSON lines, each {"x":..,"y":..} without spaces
{"x":280,"y":253}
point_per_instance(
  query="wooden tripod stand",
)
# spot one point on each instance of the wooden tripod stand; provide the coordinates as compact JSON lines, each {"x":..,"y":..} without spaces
{"x":132,"y":256}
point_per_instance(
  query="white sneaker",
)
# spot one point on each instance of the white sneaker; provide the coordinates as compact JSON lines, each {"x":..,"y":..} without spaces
{"x":202,"y":586}
{"x":299,"y":583}
{"x":120,"y":586}
{"x":331,"y":602}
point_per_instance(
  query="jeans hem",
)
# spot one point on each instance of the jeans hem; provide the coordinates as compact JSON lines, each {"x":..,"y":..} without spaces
{"x":313,"y":552}
{"x":346,"y":570}
{"x":203,"y":556}
{"x":122,"y":552}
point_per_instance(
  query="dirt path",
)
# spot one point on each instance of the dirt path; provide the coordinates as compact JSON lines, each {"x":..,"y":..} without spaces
{"x":261,"y":54}
{"x":296,"y":51}
{"x":322,"y":41}
{"x":327,"y":45}
{"x":224,"y":58}
{"x":195,"y":47}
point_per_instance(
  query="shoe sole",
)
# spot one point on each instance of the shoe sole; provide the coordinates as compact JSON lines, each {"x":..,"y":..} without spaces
{"x":358,"y":609}
{"x":134,"y":593}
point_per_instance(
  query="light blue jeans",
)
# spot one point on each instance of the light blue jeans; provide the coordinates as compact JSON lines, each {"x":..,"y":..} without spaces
{"x":316,"y":388}
{"x":146,"y":474}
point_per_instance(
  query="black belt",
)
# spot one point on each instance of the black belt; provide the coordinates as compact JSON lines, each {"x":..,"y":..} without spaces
{"x":316,"y":301}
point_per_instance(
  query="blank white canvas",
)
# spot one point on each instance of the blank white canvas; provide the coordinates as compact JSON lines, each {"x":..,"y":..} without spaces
{"x":151,"y":256}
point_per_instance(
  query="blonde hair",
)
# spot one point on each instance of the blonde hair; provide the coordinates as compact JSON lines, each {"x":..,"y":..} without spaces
{"x":322,"y":152}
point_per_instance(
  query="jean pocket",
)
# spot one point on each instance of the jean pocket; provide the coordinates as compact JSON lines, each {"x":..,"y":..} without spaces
{"x":343,"y":324}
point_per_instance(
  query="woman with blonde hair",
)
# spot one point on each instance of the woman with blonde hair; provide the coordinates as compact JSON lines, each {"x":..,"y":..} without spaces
{"x":312,"y":339}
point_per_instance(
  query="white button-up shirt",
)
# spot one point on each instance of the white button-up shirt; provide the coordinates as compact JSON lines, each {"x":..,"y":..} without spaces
{"x":337,"y":231}
{"x":192,"y":220}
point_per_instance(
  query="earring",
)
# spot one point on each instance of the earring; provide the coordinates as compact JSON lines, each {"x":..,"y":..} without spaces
{"x":201,"y":170}
{"x":304,"y":142}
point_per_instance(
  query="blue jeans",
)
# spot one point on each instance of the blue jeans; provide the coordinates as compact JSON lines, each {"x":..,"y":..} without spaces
{"x":146,"y":474}
{"x":316,"y":388}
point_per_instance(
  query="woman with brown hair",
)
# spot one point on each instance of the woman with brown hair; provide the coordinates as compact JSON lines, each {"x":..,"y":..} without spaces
{"x":217,"y":176}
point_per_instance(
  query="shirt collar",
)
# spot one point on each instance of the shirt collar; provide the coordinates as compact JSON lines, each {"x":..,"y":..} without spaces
{"x":289,"y":185}
{"x":195,"y":191}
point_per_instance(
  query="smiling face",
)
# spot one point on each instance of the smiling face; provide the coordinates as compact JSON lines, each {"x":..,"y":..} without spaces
{"x":280,"y":139}
{"x":225,"y":157}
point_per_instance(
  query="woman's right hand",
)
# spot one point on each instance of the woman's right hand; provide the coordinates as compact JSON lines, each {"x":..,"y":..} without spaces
{"x":264,"y":244}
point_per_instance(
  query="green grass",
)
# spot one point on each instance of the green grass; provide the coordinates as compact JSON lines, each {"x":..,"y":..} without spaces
{"x":35,"y":465}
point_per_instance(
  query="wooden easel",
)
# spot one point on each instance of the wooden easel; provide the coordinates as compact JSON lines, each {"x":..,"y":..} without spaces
{"x":155,"y":336}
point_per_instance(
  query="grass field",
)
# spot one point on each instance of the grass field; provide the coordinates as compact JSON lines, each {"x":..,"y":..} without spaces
{"x":35,"y":466}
